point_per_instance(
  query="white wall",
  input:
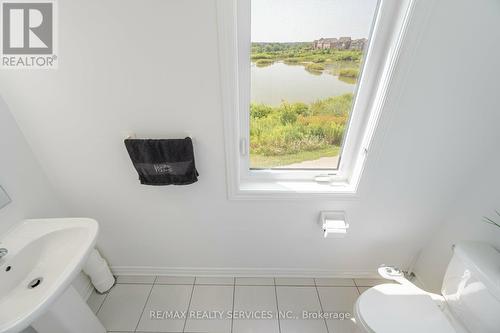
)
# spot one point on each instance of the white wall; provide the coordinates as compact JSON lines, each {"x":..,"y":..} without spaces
{"x":151,"y":67}
{"x":22,"y":177}
{"x":464,"y":222}
{"x":476,"y":90}
{"x":27,"y":185}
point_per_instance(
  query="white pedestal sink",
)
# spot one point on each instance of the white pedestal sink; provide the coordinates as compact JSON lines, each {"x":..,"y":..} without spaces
{"x":44,"y":256}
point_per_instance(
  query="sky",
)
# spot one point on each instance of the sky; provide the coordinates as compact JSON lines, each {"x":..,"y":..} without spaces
{"x":307,"y":20}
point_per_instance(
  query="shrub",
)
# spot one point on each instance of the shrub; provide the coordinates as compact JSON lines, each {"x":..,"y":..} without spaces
{"x":296,"y":127}
{"x":291,"y":61}
{"x":315,"y":68}
{"x":348,"y":55}
{"x":338,"y":105}
{"x":287,"y":114}
{"x":298,"y":108}
{"x":259,"y":56}
{"x":349,"y":72}
{"x":264,"y":62}
{"x":318,"y":60}
{"x":260,"y":110}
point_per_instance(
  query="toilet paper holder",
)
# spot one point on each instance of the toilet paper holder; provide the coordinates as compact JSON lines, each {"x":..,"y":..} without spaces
{"x":333,"y":224}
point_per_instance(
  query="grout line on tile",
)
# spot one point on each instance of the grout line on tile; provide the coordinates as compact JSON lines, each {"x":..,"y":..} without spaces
{"x":320,"y":305}
{"x":189,"y":305}
{"x":104,"y":300}
{"x":144,"y":307}
{"x":277,"y":306}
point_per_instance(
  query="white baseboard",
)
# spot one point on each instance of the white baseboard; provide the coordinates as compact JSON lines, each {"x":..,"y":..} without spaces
{"x":241,"y":272}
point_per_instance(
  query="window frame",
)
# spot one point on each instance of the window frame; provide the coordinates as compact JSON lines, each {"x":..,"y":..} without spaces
{"x":387,"y":32}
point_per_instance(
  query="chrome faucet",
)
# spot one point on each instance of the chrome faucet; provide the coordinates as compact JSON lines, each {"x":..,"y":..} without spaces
{"x":3,"y":252}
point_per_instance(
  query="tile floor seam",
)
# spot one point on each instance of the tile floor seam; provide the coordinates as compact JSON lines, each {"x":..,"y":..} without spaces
{"x":144,"y":307}
{"x":104,"y":300}
{"x":321,"y":305}
{"x":277,"y":306}
{"x":189,"y":305}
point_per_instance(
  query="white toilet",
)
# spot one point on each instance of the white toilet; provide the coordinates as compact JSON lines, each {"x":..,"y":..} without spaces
{"x":470,"y":300}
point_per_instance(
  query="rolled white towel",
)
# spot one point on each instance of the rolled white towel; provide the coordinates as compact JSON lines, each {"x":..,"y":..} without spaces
{"x":98,"y":270}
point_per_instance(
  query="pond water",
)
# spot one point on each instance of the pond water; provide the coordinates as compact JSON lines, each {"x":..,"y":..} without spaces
{"x":292,"y":83}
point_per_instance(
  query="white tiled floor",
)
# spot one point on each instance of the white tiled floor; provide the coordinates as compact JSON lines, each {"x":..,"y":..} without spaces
{"x":295,"y":300}
{"x":338,"y":300}
{"x":170,"y":304}
{"x":255,"y":299}
{"x":163,"y":298}
{"x":211,"y":298}
{"x":123,"y":307}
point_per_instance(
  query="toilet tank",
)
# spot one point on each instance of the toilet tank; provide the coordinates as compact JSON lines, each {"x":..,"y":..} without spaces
{"x":471,"y":286}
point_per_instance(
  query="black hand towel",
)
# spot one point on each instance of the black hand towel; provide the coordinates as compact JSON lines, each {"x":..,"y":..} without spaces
{"x":163,"y":162}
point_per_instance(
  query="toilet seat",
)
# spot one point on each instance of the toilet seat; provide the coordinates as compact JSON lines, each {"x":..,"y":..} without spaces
{"x":396,"y":308}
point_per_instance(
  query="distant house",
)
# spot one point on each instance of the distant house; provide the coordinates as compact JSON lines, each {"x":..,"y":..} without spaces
{"x":358,"y":44}
{"x":342,"y":43}
{"x":324,"y":43}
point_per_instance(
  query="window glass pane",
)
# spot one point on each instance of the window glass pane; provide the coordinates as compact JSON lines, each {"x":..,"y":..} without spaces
{"x":305,"y":62}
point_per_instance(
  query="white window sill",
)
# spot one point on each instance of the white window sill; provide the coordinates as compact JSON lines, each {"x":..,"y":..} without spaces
{"x":287,"y":189}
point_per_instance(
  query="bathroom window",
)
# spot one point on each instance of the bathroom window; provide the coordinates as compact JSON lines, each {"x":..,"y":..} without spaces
{"x":303,"y":84}
{"x":306,"y":58}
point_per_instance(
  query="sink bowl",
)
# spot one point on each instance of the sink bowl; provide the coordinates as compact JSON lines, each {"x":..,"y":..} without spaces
{"x":44,"y":256}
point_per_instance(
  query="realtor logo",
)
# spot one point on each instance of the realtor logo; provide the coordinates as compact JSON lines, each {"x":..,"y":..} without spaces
{"x":28,"y":34}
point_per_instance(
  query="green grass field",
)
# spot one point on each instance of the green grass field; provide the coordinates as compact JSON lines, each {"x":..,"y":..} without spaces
{"x":261,"y":161}
{"x":296,"y":132}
